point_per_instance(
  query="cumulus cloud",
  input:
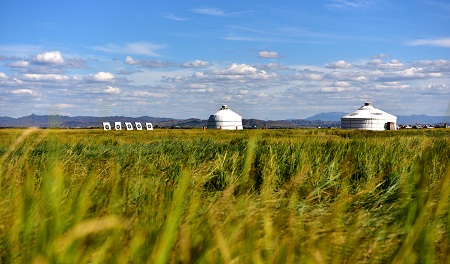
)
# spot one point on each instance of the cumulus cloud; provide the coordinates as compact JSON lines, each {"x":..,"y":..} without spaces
{"x":442,"y":42}
{"x":243,"y":91}
{"x":341,"y":64}
{"x":23,"y":92}
{"x":308,"y":76}
{"x":48,"y":62}
{"x":197,"y":86}
{"x":349,"y":76}
{"x":341,"y":84}
{"x":237,"y":69}
{"x":338,"y":89}
{"x":149,"y":94}
{"x":3,"y":75}
{"x":19,"y":64}
{"x":411,"y":73}
{"x":197,"y":64}
{"x":112,"y":90}
{"x":149,"y":63}
{"x":268,"y":54}
{"x":391,"y":86}
{"x":262,"y":95}
{"x":433,"y":65}
{"x":50,"y":57}
{"x":437,"y":86}
{"x":44,"y":77}
{"x":313,"y":76}
{"x":102,"y":77}
{"x":131,"y":61}
{"x":377,"y":63}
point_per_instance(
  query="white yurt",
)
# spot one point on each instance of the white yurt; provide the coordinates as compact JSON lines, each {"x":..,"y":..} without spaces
{"x":368,"y":117}
{"x":225,"y":119}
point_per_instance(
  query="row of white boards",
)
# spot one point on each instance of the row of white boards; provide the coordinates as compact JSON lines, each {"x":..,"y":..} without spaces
{"x":128,"y":126}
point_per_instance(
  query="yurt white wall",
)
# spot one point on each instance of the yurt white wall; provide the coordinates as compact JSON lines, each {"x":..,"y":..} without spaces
{"x":225,"y":119}
{"x":369,"y":117}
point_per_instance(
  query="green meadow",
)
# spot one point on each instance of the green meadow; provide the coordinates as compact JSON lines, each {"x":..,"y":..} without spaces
{"x":250,"y":196}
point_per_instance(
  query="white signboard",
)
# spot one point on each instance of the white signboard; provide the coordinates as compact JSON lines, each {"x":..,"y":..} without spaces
{"x":149,"y":126}
{"x":118,"y":125}
{"x":106,"y":126}
{"x":138,"y":125}
{"x":129,"y":126}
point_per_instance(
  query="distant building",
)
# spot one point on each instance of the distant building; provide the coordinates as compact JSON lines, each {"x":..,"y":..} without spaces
{"x":225,"y":119}
{"x":369,"y":117}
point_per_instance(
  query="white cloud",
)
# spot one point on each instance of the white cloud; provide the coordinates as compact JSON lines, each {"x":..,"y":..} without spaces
{"x":149,"y":94}
{"x":433,"y":65}
{"x":197,"y":86}
{"x":351,"y":4}
{"x":102,"y":76}
{"x":437,"y":86}
{"x":262,"y":95}
{"x":442,"y":42}
{"x":3,"y":75}
{"x":23,"y":91}
{"x":411,"y":73}
{"x":209,"y":11}
{"x":348,"y":76}
{"x":237,"y":69}
{"x":243,"y":91}
{"x":381,"y":56}
{"x":141,"y":48}
{"x":44,"y":77}
{"x":112,"y":90}
{"x":173,"y":17}
{"x":268,"y":54}
{"x":50,"y":57}
{"x":313,"y":76}
{"x":197,"y":64}
{"x":339,"y":89}
{"x":19,"y":64}
{"x":377,"y":63}
{"x":149,"y":63}
{"x":341,"y":84}
{"x":391,"y":86}
{"x":131,"y":61}
{"x":341,"y":64}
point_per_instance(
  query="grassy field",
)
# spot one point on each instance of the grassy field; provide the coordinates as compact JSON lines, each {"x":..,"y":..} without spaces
{"x":252,"y":196}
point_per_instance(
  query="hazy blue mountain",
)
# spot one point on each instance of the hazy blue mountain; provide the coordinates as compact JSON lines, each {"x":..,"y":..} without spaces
{"x":422,"y":119}
{"x":330,"y":116}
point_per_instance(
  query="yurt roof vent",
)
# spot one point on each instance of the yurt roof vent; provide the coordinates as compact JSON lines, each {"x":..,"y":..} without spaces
{"x":224,"y":107}
{"x":367,"y":103}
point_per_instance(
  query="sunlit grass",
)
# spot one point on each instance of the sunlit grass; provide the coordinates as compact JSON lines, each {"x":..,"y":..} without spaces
{"x":252,"y":196}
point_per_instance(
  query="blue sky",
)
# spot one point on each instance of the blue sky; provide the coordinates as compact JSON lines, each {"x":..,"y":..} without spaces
{"x":183,"y":59}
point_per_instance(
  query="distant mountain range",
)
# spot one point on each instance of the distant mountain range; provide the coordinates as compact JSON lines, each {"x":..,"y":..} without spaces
{"x":331,"y":119}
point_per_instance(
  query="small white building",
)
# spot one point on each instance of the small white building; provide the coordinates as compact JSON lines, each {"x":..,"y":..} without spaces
{"x":369,"y":117}
{"x":225,"y":119}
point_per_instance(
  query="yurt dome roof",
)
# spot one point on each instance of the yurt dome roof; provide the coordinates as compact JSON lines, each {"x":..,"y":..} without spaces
{"x":368,"y":111}
{"x":225,"y":114}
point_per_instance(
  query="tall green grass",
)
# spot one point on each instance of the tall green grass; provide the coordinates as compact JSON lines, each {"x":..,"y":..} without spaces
{"x":256,"y":196}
